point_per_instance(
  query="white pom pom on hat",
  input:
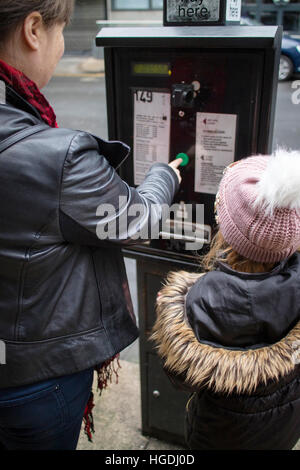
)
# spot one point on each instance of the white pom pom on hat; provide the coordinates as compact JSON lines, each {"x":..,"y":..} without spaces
{"x":279,"y":185}
{"x":259,"y":206}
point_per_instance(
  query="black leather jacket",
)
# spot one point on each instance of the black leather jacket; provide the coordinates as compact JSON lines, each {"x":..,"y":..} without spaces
{"x":64,"y":299}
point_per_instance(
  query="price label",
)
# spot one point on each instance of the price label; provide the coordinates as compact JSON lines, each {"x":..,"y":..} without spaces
{"x":144,"y":96}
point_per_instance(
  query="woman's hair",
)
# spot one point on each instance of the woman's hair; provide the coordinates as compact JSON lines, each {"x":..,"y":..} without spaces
{"x":220,"y":251}
{"x":14,"y":12}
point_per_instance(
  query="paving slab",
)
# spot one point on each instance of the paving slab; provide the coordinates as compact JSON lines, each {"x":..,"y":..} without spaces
{"x":117,"y":416}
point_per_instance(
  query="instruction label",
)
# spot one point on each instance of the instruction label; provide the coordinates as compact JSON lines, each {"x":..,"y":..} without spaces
{"x":234,"y":9}
{"x":152,"y":126}
{"x":215,"y":149}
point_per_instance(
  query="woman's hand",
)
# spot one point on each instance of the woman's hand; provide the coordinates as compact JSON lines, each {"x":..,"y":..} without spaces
{"x":175,"y":164}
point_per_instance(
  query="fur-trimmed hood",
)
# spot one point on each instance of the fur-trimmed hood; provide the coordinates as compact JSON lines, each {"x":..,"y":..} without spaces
{"x":227,"y":369}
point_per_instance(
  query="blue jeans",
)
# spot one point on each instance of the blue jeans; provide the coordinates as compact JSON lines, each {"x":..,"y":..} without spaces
{"x":44,"y":416}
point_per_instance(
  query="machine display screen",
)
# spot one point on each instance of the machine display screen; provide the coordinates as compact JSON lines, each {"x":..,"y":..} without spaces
{"x":150,"y":69}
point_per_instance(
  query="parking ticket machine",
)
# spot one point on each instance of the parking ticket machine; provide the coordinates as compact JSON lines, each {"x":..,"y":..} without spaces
{"x":206,"y":95}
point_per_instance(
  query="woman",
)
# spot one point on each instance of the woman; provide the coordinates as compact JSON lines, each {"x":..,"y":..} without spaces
{"x":65,"y":306}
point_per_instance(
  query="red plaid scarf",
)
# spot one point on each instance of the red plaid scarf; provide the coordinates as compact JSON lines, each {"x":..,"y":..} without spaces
{"x":30,"y":92}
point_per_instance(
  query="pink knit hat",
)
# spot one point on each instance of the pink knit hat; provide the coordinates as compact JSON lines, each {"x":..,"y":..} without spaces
{"x":258,"y":206}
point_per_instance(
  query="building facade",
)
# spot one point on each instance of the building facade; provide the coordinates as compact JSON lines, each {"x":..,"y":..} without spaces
{"x":80,"y":35}
{"x":269,"y":12}
{"x":272,"y":12}
{"x":134,"y":10}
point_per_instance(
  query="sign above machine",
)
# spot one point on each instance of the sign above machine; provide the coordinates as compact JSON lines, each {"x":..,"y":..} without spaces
{"x":201,"y":12}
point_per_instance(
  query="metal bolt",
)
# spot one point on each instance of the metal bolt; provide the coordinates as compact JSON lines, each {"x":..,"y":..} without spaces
{"x":156,"y":394}
{"x":196,"y":85}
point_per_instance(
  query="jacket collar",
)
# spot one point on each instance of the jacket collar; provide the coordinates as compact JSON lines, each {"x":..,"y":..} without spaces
{"x":227,"y":269}
{"x":17,"y":101}
{"x":28,"y":90}
{"x":219,"y":369}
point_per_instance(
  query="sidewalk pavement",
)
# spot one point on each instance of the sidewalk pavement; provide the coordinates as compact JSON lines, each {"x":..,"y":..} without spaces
{"x":79,"y":65}
{"x":117,"y":416}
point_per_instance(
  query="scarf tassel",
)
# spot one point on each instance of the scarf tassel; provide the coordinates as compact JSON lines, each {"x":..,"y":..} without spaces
{"x":105,"y":372}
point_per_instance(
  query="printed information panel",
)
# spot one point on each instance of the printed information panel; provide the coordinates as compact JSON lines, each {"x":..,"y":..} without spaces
{"x":215,"y":149}
{"x":152,"y":126}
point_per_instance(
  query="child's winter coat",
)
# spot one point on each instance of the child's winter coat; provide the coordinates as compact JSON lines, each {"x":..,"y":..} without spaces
{"x":234,"y":339}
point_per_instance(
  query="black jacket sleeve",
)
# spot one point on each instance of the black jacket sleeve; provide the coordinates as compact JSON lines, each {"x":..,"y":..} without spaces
{"x":97,"y":206}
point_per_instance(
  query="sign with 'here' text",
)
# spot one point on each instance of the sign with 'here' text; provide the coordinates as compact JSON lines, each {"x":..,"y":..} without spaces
{"x":201,"y":12}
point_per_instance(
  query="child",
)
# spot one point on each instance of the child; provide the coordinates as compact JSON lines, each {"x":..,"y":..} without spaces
{"x":232,"y":335}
